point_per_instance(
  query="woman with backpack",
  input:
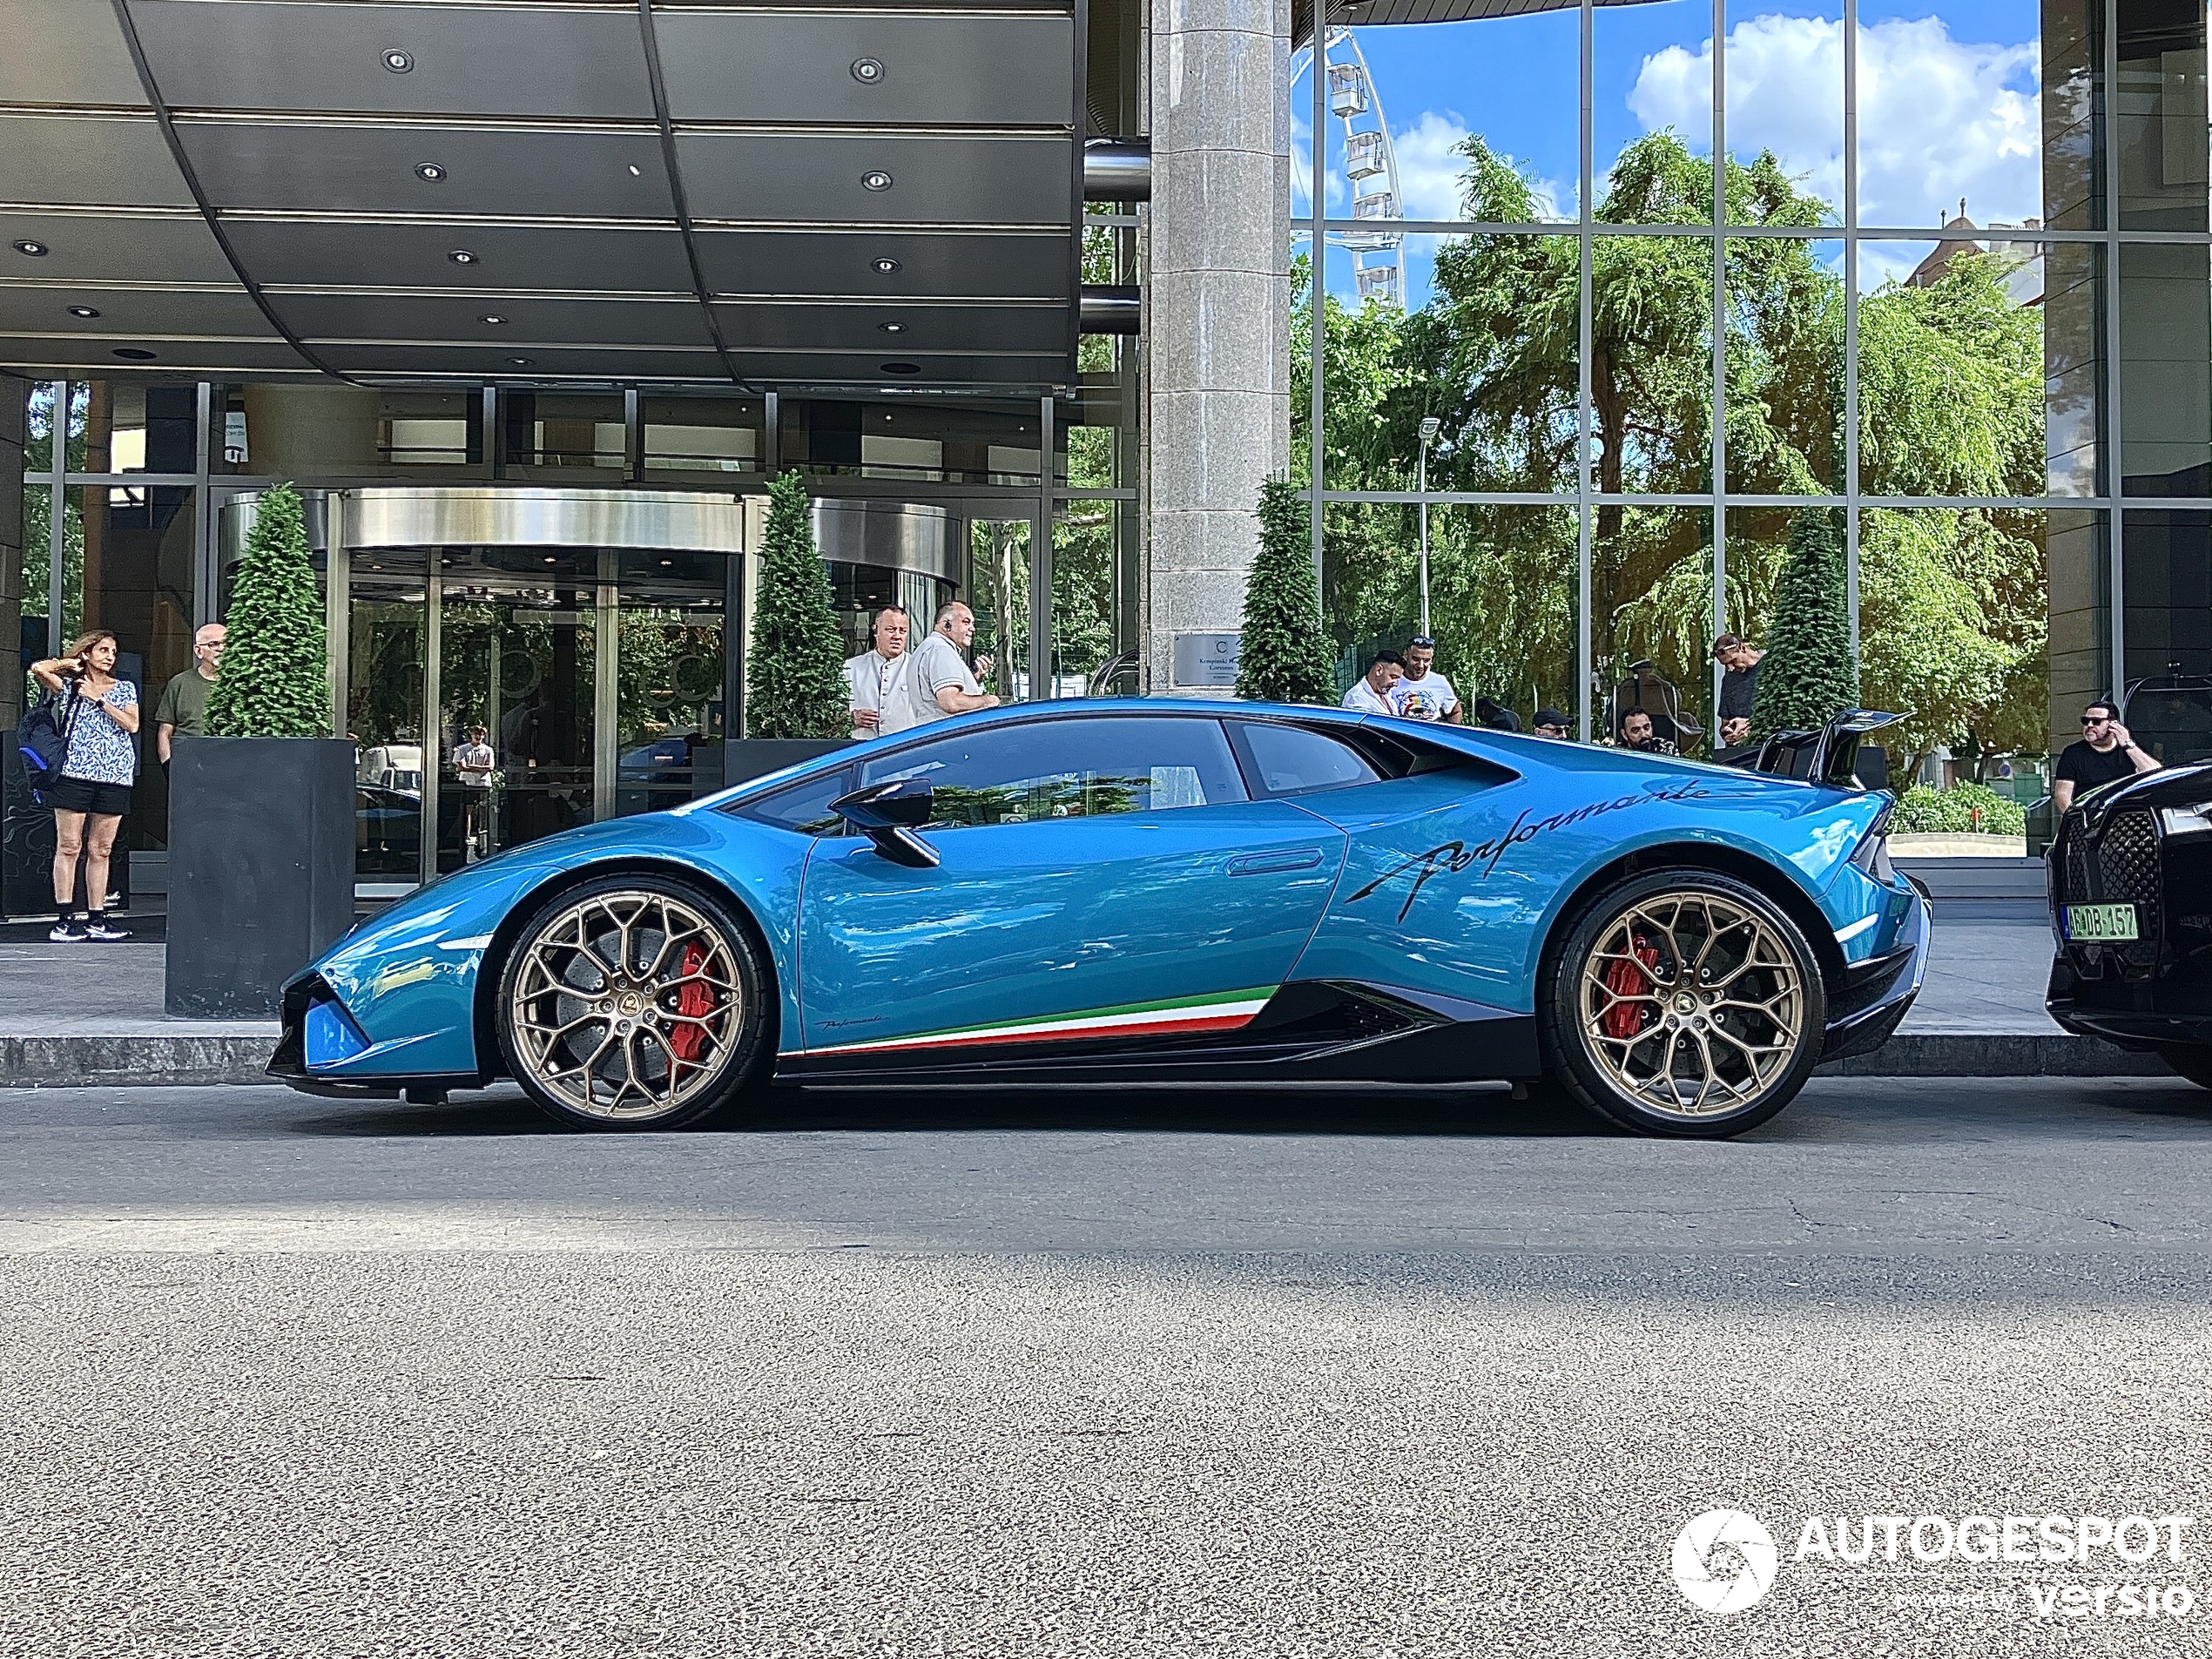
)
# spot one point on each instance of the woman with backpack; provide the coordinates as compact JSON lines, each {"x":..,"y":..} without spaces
{"x":98,"y":714}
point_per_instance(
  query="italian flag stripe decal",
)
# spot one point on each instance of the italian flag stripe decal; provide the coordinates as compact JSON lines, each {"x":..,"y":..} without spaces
{"x":1219,"y":1011}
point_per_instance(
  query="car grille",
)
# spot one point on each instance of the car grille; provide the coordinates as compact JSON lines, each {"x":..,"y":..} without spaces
{"x":2121,"y":866}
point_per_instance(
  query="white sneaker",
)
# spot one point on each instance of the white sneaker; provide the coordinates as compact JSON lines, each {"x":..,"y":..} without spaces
{"x":66,"y":932}
{"x":106,"y":931}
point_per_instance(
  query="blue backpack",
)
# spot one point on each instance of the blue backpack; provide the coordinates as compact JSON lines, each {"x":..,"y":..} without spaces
{"x":44,"y":739}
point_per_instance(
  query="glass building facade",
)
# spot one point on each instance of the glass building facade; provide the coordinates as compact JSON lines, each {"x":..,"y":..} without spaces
{"x":1947,"y":288}
{"x":605,"y":664}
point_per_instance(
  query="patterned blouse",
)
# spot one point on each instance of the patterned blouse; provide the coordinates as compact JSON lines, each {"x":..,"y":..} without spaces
{"x":100,"y":752}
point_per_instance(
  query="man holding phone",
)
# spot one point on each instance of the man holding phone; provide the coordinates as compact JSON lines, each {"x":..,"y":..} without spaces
{"x":2105,"y":754}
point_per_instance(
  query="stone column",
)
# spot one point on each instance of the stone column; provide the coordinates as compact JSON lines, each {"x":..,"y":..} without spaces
{"x":13,"y":398}
{"x":1217,"y":312}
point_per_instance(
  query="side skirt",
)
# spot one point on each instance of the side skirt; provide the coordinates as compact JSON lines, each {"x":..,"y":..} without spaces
{"x":1314,"y":1031}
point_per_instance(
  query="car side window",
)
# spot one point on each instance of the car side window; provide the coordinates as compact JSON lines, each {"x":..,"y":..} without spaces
{"x":1291,"y":760}
{"x":1070,"y":768}
{"x":804,"y":808}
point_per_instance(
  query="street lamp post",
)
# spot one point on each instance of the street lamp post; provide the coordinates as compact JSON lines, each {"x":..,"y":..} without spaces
{"x":1430,"y":427}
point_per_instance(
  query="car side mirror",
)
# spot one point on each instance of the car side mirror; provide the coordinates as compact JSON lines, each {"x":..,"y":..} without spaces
{"x":888,"y":813}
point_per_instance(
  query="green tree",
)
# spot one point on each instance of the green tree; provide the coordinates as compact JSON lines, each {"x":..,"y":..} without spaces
{"x":274,"y":682}
{"x":1951,"y":391}
{"x":1809,"y":676}
{"x":1284,"y":656}
{"x":794,"y":673}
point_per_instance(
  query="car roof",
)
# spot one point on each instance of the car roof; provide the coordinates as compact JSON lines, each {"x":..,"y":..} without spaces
{"x":1518,"y":751}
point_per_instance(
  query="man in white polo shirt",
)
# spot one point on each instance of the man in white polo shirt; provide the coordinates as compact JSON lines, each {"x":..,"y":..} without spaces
{"x":875,"y":681}
{"x":1370,"y":693}
{"x":940,"y":683}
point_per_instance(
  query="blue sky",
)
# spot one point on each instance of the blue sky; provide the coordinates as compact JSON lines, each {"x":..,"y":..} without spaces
{"x":1948,"y":105}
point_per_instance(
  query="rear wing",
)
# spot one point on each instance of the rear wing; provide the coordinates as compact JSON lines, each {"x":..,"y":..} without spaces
{"x":1828,"y":756}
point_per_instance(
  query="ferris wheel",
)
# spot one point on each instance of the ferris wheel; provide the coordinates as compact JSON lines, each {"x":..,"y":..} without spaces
{"x":1370,"y":161}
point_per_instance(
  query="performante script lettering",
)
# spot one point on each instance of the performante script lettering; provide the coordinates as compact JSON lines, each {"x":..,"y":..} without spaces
{"x":1452,"y":857}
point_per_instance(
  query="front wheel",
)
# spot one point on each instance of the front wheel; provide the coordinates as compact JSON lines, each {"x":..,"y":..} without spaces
{"x":2193,"y":1063}
{"x":631,"y":1003}
{"x":1683,"y":1003}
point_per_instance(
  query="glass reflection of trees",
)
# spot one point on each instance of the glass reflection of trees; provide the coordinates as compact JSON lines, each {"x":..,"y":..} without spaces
{"x":1951,"y":399}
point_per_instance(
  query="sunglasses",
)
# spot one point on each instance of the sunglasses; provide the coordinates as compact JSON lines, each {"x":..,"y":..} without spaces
{"x":2096,"y":719}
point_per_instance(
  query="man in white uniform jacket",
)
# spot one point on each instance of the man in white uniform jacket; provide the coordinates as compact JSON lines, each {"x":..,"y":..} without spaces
{"x":876,"y":679}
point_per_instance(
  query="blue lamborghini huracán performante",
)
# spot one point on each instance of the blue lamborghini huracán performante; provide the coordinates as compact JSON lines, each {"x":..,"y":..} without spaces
{"x":1104,"y":892}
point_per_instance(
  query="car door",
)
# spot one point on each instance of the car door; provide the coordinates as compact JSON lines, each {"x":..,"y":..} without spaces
{"x":1102,"y":878}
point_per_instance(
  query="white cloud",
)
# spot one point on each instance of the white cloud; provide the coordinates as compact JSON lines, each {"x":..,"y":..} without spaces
{"x":1432,"y":171}
{"x":1939,"y":119}
{"x":1430,"y":166}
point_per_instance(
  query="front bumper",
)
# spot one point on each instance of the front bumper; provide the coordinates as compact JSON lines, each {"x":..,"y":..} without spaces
{"x":2133,"y":1016}
{"x":290,"y":1062}
{"x":1876,"y":994}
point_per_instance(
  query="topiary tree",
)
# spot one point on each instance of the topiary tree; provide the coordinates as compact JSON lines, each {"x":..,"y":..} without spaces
{"x":1283,"y":656}
{"x":274,"y":680}
{"x":794,"y":673}
{"x":1808,"y":675}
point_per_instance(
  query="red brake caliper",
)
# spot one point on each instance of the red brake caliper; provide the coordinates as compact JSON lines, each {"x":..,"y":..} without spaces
{"x":694,"y":1002}
{"x":1625,"y":979}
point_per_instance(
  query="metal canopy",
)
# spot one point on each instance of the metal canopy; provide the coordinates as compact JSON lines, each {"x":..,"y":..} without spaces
{"x":591,"y":191}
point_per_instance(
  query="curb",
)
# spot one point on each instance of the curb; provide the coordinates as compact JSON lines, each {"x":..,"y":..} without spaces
{"x":1966,"y":1055}
{"x":85,"y":1061}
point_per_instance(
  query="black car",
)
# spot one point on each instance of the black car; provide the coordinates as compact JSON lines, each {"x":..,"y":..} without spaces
{"x":2131,"y":905}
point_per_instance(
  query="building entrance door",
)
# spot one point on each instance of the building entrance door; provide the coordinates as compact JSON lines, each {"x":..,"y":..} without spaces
{"x":519,"y":658}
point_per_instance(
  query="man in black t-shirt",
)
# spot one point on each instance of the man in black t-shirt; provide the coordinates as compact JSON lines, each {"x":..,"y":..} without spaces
{"x":2105,"y":755}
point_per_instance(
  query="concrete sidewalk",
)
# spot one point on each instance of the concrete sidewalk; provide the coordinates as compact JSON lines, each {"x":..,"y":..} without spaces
{"x":92,"y":1014}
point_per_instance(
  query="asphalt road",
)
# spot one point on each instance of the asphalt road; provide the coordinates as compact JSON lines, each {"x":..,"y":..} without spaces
{"x":1143,"y":1376}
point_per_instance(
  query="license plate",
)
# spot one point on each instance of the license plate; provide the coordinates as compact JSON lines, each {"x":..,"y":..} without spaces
{"x":2101,"y":921}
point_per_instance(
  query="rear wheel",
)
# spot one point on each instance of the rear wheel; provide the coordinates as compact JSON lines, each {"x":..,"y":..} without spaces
{"x":1684,"y":1003}
{"x":2193,"y":1063}
{"x":631,"y":1003}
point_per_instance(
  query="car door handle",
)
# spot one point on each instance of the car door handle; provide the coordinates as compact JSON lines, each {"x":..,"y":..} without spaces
{"x":1296,"y":858}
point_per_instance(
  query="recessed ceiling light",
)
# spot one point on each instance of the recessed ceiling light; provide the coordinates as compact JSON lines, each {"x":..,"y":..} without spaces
{"x":875,"y":178}
{"x":867,"y":70}
{"x":666,"y":564}
{"x":522,"y":362}
{"x":86,"y":311}
{"x":900,"y":368}
{"x":134,"y":354}
{"x":893,"y":328}
{"x":491,"y":317}
{"x":429,"y":172}
{"x":398,"y":62}
{"x":552,"y":558}
{"x":886,"y":267}
{"x":634,"y":172}
{"x":462,"y":256}
{"x":35,"y":250}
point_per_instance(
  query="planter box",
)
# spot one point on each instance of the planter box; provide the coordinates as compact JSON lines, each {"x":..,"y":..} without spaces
{"x":745,"y":758}
{"x":260,"y":868}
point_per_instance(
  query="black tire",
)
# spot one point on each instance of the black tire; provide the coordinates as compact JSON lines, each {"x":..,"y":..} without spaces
{"x":663,"y":982}
{"x":2192,"y":1062}
{"x":1625,"y":1030}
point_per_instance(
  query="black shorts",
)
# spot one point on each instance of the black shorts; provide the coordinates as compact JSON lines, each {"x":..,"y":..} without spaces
{"x":78,"y":795}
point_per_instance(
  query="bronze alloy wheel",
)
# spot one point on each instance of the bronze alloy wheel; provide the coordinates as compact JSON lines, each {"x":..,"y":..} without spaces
{"x":1681,"y":1001}
{"x":1691,"y":1004}
{"x":628,"y":1006}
